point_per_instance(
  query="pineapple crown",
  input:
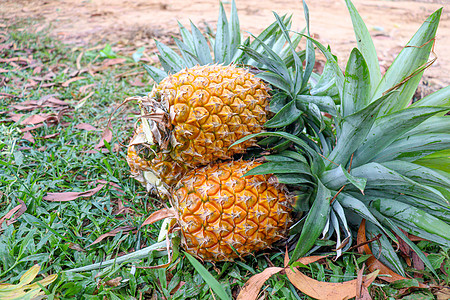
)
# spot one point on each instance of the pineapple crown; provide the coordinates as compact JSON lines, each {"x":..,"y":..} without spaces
{"x":360,"y":150}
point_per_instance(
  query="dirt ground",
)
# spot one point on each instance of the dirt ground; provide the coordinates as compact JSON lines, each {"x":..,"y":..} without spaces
{"x":138,"y":22}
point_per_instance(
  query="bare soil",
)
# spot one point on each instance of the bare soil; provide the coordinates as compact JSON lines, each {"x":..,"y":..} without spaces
{"x":136,"y":23}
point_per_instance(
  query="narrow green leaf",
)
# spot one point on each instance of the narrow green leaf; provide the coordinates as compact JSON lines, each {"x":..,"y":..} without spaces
{"x":325,"y":103}
{"x":209,"y":279}
{"x":411,"y":148}
{"x":382,"y":249}
{"x":413,"y":246}
{"x":439,"y":160}
{"x":389,"y":128}
{"x":275,"y":80}
{"x":353,"y":130}
{"x":273,"y":65}
{"x":358,"y":207}
{"x":235,"y":30}
{"x":410,"y":61}
{"x":293,"y":178}
{"x":296,"y":80}
{"x":222,"y":42}
{"x":302,"y":144}
{"x":201,"y":46}
{"x":432,"y":125}
{"x":280,"y":167}
{"x":314,"y":223}
{"x":419,"y":173}
{"x":170,"y":56}
{"x":365,"y":46}
{"x":356,"y":93}
{"x":189,"y":57}
{"x":339,"y":77}
{"x":381,"y":178}
{"x":156,"y":74}
{"x":438,"y":98}
{"x":310,"y":54}
{"x":286,"y":116}
{"x":187,"y":37}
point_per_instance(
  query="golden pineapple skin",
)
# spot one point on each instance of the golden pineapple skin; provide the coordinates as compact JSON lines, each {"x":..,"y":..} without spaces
{"x":219,"y":210}
{"x":162,"y":165}
{"x":209,"y":108}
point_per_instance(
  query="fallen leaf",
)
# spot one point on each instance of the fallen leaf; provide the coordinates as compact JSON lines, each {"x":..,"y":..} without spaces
{"x":326,"y":290}
{"x":83,"y":100}
{"x":50,"y":136}
{"x":85,"y":126}
{"x":159,"y":215}
{"x":29,"y":137}
{"x":17,"y":210}
{"x":69,"y":196}
{"x":86,"y":87}
{"x":106,"y":136}
{"x":373,"y":263}
{"x":75,"y":247}
{"x":113,"y":61}
{"x":114,"y":282}
{"x":68,"y":82}
{"x":123,"y":229}
{"x":251,"y":288}
{"x":34,"y":119}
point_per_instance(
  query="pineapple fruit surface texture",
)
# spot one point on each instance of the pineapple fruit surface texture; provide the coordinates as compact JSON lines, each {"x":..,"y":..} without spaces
{"x":161,"y":165}
{"x":219,"y":210}
{"x":208,"y":108}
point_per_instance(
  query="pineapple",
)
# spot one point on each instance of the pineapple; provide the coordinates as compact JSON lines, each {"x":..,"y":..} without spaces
{"x":148,"y":166}
{"x":223,"y":215}
{"x":197,"y":113}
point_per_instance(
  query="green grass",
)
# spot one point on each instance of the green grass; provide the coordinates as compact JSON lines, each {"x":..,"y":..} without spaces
{"x":58,"y":235}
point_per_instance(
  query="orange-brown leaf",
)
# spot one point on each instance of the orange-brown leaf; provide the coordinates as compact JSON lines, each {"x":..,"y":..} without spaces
{"x":373,"y":263}
{"x":69,"y":196}
{"x":325,"y":290}
{"x":85,"y":126}
{"x":66,"y":83}
{"x":106,"y":136}
{"x":113,"y":233}
{"x":252,"y":287}
{"x":159,"y":215}
{"x":17,"y":210}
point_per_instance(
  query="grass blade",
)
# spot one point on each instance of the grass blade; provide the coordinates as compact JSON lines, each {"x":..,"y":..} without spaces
{"x":209,"y":279}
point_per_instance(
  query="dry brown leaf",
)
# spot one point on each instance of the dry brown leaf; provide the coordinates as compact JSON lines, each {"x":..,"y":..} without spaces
{"x":159,"y":215}
{"x":69,"y":196}
{"x":75,"y":247}
{"x":86,"y":87}
{"x":29,"y":137}
{"x":113,"y":233}
{"x":252,"y":287}
{"x":85,"y":126}
{"x":68,"y":82}
{"x":106,"y":136}
{"x":112,"y":185}
{"x":373,"y":263}
{"x":114,"y":282}
{"x":17,"y":210}
{"x":50,"y":136}
{"x":326,"y":290}
{"x":34,"y":119}
{"x":112,"y":61}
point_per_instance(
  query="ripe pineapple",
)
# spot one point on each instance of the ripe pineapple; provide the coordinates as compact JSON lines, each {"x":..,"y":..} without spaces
{"x":152,"y":169}
{"x":197,"y":113}
{"x":223,"y":215}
